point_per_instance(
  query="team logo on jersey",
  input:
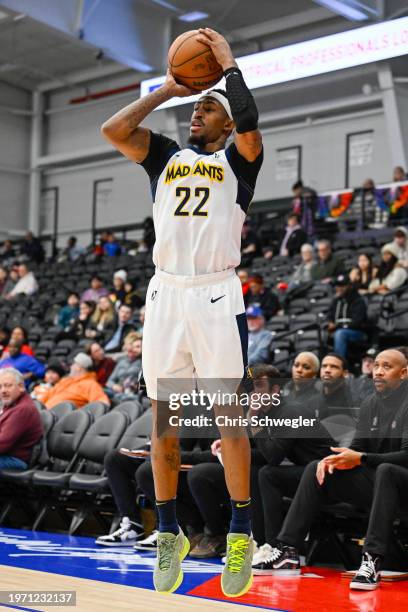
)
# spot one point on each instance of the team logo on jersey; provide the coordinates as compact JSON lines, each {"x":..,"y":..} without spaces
{"x":176,"y":171}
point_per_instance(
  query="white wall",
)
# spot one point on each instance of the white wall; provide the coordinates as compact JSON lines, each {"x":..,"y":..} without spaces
{"x":324,"y":155}
{"x":14,"y":154}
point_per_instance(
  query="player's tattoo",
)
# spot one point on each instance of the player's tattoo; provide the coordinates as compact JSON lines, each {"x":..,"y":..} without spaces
{"x":173,"y":460}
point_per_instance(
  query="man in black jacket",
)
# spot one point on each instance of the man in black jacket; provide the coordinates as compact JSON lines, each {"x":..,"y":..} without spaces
{"x":287,"y":450}
{"x":335,"y":396}
{"x":349,"y":475}
{"x":347,"y":315}
{"x":293,"y":237}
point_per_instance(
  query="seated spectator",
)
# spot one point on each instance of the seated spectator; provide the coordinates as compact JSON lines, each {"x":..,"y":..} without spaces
{"x":303,"y":272}
{"x":3,"y":280}
{"x":350,"y":474}
{"x":8,"y":253}
{"x":259,"y":338}
{"x":103,"y":365}
{"x":26,"y":284}
{"x":335,"y":395}
{"x":400,"y":245}
{"x":363,"y":274}
{"x":4,"y":338}
{"x":263,"y":297}
{"x":122,"y":383}
{"x":328,"y":266}
{"x":399,"y":174}
{"x":77,"y":329}
{"x":305,"y":370}
{"x":389,"y":275}
{"x":99,"y":246}
{"x":133,"y":296}
{"x":70,"y":312}
{"x":250,"y":244}
{"x":305,"y":207}
{"x":32,"y":248}
{"x":244,"y":278}
{"x":277,"y":444}
{"x":141,"y":319}
{"x":111,"y":248}
{"x":11,"y":281}
{"x":72,"y":252}
{"x":20,"y":423}
{"x":119,"y":291}
{"x":79,"y":387}
{"x":347,"y":316}
{"x":363,"y":385}
{"x":54,"y":371}
{"x":28,"y":366}
{"x":293,"y":238}
{"x":103,"y":321}
{"x":20,"y":334}
{"x":115,"y":342}
{"x":96,"y":290}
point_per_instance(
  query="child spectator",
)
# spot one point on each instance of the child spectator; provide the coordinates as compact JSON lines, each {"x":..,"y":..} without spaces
{"x":69,"y":312}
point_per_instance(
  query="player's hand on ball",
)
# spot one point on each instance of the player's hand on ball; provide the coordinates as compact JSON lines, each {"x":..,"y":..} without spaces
{"x":219,"y":46}
{"x":175,"y":89}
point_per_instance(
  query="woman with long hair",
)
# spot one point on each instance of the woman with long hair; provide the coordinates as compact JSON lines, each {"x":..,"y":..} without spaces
{"x":103,"y":320}
{"x":362,"y":275}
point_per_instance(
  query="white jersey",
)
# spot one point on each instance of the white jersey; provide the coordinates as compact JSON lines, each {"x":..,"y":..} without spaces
{"x":200,"y":202}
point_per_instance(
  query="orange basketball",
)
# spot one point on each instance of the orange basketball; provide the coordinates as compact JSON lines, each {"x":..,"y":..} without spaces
{"x":192,"y":63}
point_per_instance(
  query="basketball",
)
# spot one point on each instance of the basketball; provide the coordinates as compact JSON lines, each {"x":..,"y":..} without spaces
{"x":192,"y":63}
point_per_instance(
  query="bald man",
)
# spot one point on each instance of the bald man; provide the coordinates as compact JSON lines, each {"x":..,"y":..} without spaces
{"x":349,"y":474}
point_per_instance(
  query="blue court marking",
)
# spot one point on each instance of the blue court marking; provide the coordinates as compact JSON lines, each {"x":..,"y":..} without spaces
{"x":19,"y":608}
{"x":79,"y":557}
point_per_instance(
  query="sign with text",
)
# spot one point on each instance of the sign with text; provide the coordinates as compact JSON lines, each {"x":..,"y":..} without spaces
{"x":326,"y":54}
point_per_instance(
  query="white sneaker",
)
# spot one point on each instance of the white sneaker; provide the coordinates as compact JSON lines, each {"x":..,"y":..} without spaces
{"x":127,"y":534}
{"x":256,"y":551}
{"x":262,"y":554}
{"x":149,"y":543}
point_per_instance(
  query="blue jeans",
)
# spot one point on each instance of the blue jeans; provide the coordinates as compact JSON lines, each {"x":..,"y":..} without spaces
{"x":342,"y":337}
{"x":7,"y":462}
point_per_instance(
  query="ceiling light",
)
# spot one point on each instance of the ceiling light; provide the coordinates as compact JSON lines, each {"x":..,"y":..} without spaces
{"x":193,"y":16}
{"x":346,"y":9}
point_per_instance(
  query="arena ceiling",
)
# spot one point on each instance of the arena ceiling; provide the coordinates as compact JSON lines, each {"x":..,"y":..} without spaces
{"x":47,"y":43}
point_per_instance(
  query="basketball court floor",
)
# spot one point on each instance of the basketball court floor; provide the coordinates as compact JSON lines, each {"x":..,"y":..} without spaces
{"x":117,"y":579}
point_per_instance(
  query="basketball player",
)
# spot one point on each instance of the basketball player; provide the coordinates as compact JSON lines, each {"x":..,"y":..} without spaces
{"x":195,"y":315}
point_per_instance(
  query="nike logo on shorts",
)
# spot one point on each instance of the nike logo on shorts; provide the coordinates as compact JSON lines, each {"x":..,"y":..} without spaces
{"x":213,"y":300}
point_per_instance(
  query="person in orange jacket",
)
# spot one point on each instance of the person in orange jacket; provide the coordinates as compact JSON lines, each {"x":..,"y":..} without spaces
{"x":80,"y":387}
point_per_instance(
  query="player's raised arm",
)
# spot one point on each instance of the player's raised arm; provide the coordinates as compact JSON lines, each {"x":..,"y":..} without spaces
{"x":248,"y":138}
{"x":123,"y":129}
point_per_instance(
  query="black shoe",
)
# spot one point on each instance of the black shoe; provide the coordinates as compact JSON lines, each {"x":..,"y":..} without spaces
{"x":280,"y":561}
{"x":368,"y":576}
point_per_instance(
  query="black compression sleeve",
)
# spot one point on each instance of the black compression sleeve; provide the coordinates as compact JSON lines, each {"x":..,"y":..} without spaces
{"x":242,"y":103}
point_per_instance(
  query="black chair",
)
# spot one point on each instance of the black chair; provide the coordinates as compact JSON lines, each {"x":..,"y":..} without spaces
{"x":63,"y":444}
{"x":62,"y":409}
{"x":89,"y":479}
{"x":131,"y":408}
{"x":96,"y":410}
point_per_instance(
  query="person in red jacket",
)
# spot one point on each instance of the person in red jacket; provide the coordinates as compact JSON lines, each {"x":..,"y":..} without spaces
{"x":20,"y":423}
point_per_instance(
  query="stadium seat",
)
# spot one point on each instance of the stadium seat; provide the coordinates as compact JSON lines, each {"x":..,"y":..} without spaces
{"x":132,"y":409}
{"x":62,"y":409}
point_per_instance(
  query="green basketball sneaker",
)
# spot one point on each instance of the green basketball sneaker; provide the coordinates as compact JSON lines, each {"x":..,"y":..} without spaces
{"x":171,"y":550}
{"x":236,"y":578}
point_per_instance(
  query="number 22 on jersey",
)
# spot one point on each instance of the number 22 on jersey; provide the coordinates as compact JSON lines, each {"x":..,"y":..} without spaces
{"x":200,"y":197}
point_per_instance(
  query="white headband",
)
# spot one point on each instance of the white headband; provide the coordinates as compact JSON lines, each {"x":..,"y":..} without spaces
{"x":220,"y":98}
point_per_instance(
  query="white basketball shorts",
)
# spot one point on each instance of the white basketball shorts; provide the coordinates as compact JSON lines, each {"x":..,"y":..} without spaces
{"x":194,"y":327}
